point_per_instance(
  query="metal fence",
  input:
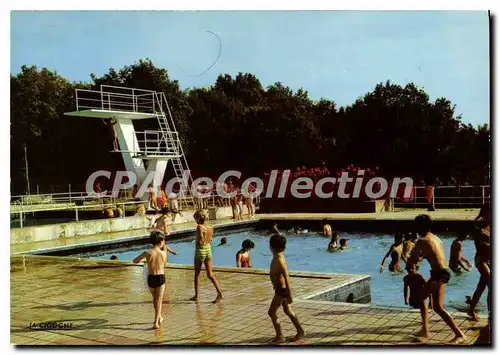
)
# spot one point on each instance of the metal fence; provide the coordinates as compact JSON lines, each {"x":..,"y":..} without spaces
{"x":78,"y":202}
{"x":458,"y":196}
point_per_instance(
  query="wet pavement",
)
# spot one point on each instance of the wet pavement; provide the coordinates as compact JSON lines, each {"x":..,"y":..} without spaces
{"x":106,"y":303}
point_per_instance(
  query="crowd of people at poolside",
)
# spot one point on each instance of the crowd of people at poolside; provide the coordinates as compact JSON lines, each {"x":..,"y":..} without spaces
{"x":411,"y":248}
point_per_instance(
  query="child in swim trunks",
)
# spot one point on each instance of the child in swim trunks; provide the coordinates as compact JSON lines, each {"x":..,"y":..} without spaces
{"x":431,"y":248}
{"x":156,"y":259}
{"x":203,"y":254}
{"x":282,"y":289}
{"x":415,"y":283}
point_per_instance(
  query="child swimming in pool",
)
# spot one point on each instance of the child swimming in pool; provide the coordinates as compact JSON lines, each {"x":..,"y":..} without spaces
{"x":327,"y":229}
{"x":156,"y":258}
{"x":282,"y":289}
{"x":274,"y":229}
{"x":395,"y":251}
{"x":343,"y":244}
{"x":333,"y":245}
{"x":203,"y":254}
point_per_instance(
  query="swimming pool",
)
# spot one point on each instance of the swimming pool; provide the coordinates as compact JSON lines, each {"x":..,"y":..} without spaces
{"x":308,"y":252}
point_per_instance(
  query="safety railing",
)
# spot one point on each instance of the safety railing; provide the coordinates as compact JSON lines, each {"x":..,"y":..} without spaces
{"x":79,"y":202}
{"x":466,"y":196}
{"x":113,"y":98}
{"x":157,"y":143}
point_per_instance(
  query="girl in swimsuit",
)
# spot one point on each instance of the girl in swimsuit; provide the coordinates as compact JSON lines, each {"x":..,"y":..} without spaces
{"x":243,"y":255}
{"x":203,"y":254}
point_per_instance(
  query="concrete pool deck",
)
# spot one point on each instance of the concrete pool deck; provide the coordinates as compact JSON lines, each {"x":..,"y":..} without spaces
{"x":468,"y":214}
{"x":107,"y":305}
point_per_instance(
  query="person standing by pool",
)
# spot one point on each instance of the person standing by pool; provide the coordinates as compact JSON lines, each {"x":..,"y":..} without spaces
{"x":243,"y":255}
{"x":482,"y":260}
{"x":282,"y":289}
{"x":429,"y":193}
{"x":395,"y":251}
{"x":327,"y":229}
{"x":239,"y":201}
{"x":457,"y":260}
{"x":203,"y":254}
{"x":156,"y":259}
{"x":432,"y":249}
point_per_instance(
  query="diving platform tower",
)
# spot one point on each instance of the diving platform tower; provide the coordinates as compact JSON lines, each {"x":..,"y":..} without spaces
{"x":143,"y":152}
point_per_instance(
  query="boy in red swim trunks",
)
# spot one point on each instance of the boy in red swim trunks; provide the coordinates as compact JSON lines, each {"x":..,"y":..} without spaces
{"x":282,"y":289}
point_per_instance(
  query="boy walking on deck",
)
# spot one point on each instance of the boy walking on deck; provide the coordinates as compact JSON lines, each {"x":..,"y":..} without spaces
{"x":431,"y":248}
{"x":282,"y":289}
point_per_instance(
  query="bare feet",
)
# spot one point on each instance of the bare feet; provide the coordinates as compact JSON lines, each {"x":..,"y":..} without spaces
{"x":458,"y":340}
{"x":218,"y":298}
{"x":194,"y":298}
{"x":422,"y":336}
{"x":473,"y":316}
{"x":300,"y":335}
{"x":278,"y":340}
{"x":156,"y":326}
{"x":161,"y":320}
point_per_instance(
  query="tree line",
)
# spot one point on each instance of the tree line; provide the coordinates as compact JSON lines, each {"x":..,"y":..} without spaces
{"x":238,"y":124}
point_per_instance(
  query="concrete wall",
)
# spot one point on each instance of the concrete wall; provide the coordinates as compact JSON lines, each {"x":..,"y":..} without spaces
{"x":98,"y":226}
{"x":354,"y":292}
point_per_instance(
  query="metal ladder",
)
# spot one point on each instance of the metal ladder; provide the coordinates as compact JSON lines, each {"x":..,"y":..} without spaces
{"x":170,"y":138}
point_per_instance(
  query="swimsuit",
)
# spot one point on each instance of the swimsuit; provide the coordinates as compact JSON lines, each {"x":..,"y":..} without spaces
{"x":457,"y":269}
{"x":155,"y":281}
{"x":282,"y":292}
{"x":442,"y":275}
{"x":203,"y":253}
{"x":244,"y":261}
{"x":415,"y":302}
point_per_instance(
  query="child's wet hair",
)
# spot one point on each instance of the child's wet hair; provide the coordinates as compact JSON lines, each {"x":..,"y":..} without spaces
{"x":247,"y":244}
{"x":277,"y":242}
{"x":335,"y":236}
{"x":156,"y":237}
{"x":343,"y":242}
{"x":423,"y":223}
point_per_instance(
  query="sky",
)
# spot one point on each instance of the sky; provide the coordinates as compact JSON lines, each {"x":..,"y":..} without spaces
{"x":338,"y":55}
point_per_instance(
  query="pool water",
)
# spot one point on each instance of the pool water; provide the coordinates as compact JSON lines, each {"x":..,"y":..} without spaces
{"x":308,"y":252}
